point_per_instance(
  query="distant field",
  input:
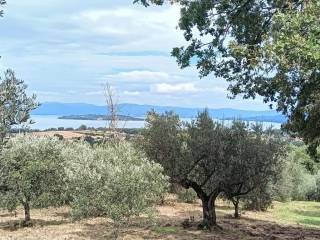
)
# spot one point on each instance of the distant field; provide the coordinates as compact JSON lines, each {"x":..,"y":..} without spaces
{"x":295,"y":220}
{"x":65,"y":134}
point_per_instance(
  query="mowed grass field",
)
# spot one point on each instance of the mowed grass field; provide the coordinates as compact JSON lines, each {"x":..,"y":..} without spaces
{"x":293,"y":220}
{"x":303,"y":213}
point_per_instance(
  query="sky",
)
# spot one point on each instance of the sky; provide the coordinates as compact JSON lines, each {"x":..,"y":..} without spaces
{"x":67,"y":50}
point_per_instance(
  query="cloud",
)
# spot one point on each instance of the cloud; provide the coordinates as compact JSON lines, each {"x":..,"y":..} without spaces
{"x":139,"y":75}
{"x":128,"y":28}
{"x":93,"y":93}
{"x":135,"y":53}
{"x":66,"y":50}
{"x":165,"y":88}
{"x":131,"y":93}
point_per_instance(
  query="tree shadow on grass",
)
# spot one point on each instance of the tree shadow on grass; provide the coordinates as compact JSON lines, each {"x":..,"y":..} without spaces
{"x":311,"y":218}
{"x":14,"y":225}
{"x":7,"y":214}
{"x":307,"y":213}
{"x":311,"y":222}
{"x":251,"y":228}
{"x":64,"y":215}
{"x":267,"y":228}
{"x":170,"y":227}
{"x":224,"y":207}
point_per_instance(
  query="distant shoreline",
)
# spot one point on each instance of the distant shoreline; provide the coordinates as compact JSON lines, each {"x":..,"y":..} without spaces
{"x":97,"y":117}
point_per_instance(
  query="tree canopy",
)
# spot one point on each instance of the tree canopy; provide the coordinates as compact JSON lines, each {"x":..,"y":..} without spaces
{"x":15,"y":104}
{"x":211,"y":158}
{"x":113,"y":180}
{"x":268,"y":48}
{"x":32,"y":174}
{"x":2,"y":2}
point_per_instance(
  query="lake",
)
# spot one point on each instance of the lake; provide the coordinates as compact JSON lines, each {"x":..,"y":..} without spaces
{"x":51,"y":121}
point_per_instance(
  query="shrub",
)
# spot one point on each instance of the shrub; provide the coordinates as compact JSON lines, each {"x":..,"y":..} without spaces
{"x":317,"y":193}
{"x":259,"y":200}
{"x":59,"y":136}
{"x":82,"y":127}
{"x":187,"y":195}
{"x":114,"y":181}
{"x":89,"y":139}
{"x":297,"y":181}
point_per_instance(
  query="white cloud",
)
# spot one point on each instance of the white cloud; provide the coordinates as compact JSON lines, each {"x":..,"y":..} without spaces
{"x":66,"y":50}
{"x":140,"y":76}
{"x":131,"y":93}
{"x":128,"y":28}
{"x":165,"y":88}
{"x":93,"y":93}
{"x":98,"y":15}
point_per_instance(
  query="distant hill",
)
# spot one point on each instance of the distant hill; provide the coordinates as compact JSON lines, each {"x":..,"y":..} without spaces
{"x":140,"y":111}
{"x":100,"y":117}
{"x":55,"y":108}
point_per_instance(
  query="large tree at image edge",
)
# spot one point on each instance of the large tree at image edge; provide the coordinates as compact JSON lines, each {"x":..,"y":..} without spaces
{"x":210,"y":158}
{"x":268,"y":48}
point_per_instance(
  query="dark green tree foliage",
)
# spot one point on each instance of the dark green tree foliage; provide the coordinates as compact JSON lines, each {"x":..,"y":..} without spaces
{"x":269,"y":48}
{"x":211,"y":158}
{"x":15,"y":105}
{"x":2,"y":2}
{"x":260,"y":199}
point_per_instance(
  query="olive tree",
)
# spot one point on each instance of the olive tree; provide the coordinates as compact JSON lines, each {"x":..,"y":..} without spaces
{"x":115,"y":181}
{"x":15,"y":104}
{"x":209,"y":157}
{"x":262,"y":152}
{"x":15,"y":108}
{"x":32,"y":173}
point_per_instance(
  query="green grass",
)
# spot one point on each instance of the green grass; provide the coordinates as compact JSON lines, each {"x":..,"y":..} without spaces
{"x":304,"y":213}
{"x":165,"y":230}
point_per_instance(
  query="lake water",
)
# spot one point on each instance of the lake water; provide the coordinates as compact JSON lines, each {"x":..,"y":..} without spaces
{"x":52,"y":121}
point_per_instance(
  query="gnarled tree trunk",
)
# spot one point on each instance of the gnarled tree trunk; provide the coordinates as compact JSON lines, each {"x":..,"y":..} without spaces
{"x":209,"y":212}
{"x":208,"y":204}
{"x":235,"y":202}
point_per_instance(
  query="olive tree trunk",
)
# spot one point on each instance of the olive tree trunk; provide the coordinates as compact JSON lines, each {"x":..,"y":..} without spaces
{"x":235,"y":202}
{"x":209,"y":212}
{"x":27,"y":217}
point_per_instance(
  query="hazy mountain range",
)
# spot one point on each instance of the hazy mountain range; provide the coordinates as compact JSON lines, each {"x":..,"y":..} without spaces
{"x":136,"y":110}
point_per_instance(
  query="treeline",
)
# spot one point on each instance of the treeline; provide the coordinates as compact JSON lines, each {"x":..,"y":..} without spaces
{"x":80,"y":128}
{"x":113,"y":180}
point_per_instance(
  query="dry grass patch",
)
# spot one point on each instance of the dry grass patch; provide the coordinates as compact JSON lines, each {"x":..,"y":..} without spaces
{"x":55,"y":224}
